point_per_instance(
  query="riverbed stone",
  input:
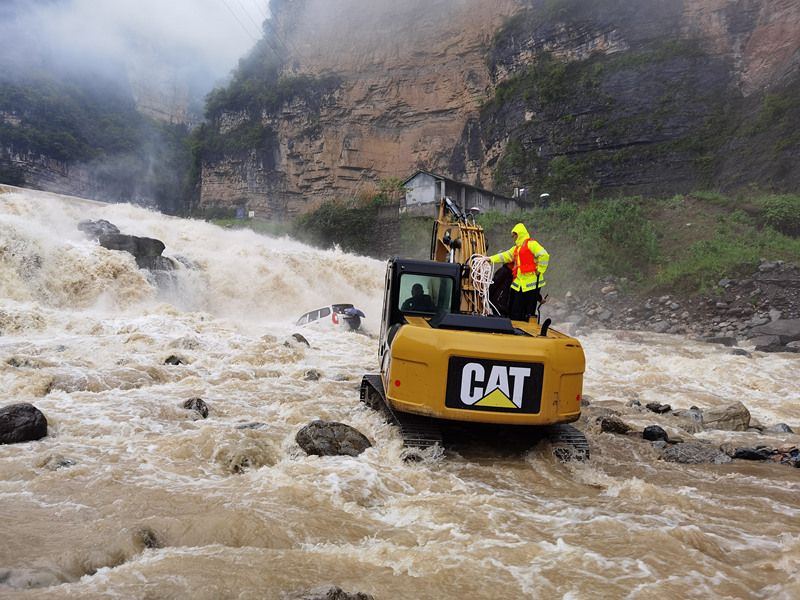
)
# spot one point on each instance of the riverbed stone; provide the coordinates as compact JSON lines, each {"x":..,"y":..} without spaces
{"x":329,"y":438}
{"x":779,"y":428}
{"x":21,"y":422}
{"x":761,"y":453}
{"x":654,"y":433}
{"x":197,"y":405}
{"x":330,"y":593}
{"x":613,"y":424}
{"x":733,"y":417}
{"x":695,"y":453}
{"x":788,"y":330}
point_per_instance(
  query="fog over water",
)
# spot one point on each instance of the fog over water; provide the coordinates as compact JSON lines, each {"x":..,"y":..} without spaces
{"x":132,"y":496}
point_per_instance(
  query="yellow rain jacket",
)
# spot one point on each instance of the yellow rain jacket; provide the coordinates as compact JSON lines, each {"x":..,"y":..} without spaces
{"x":528,"y":260}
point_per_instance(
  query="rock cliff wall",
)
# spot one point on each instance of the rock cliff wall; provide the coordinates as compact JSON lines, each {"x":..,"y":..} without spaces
{"x":412,"y":74}
{"x":654,"y":96}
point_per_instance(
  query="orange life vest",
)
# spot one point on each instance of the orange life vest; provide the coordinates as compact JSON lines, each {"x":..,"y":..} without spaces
{"x":524,"y":260}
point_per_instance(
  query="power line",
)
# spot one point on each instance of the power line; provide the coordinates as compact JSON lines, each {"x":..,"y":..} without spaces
{"x":238,"y":20}
{"x":281,"y":40}
{"x":250,"y":16}
{"x":261,"y":10}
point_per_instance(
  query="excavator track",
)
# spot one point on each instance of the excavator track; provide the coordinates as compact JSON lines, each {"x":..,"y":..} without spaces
{"x":418,"y":432}
{"x":568,"y":443}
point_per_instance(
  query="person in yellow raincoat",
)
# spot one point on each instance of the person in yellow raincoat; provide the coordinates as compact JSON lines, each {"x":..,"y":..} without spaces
{"x":528,"y":261}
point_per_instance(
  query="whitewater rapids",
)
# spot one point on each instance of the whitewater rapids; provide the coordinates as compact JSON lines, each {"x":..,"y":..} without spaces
{"x":130,"y":496}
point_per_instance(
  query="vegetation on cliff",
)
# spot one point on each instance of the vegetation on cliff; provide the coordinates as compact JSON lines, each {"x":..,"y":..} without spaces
{"x":95,"y":125}
{"x":254,"y":95}
{"x":646,"y":112}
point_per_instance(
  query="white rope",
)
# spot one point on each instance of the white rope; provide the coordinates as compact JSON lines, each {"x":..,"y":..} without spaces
{"x":482,"y":272}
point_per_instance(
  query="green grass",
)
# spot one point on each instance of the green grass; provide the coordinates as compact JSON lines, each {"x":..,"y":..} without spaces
{"x":725,"y":254}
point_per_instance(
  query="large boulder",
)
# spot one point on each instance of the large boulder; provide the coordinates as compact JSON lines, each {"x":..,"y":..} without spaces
{"x":788,"y":330}
{"x":21,"y":422}
{"x":328,"y":438}
{"x":734,"y":417}
{"x":95,"y":229}
{"x":695,"y":453}
{"x":147,"y":251}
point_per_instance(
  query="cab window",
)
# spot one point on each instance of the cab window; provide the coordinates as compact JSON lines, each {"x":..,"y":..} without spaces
{"x":425,"y":294}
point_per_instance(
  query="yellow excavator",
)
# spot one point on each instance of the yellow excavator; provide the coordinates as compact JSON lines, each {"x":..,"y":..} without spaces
{"x":445,"y":356}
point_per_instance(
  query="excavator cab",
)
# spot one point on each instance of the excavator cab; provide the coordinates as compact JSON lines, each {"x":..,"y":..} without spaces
{"x":443,"y":359}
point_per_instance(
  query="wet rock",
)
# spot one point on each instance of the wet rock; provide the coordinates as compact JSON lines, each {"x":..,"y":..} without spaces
{"x":693,"y":414}
{"x":654,"y":433}
{"x":312,"y":375}
{"x":173,"y":360}
{"x":198,"y":405}
{"x":776,"y":348}
{"x":740,"y":352}
{"x":56,"y":462}
{"x":94,"y":229}
{"x":760,"y":453}
{"x":297,"y":339}
{"x":253,"y":425}
{"x":147,"y":538}
{"x":695,"y":453}
{"x":660,"y":327}
{"x":779,"y":428}
{"x":724,"y":340}
{"x":787,"y":456}
{"x":788,"y":330}
{"x":21,"y":422}
{"x":145,"y":250}
{"x":328,"y":438}
{"x":330,"y":593}
{"x":658,"y":408}
{"x":613,"y":424}
{"x":734,"y":417}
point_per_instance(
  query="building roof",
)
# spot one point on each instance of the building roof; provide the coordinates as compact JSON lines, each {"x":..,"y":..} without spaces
{"x":453,"y":181}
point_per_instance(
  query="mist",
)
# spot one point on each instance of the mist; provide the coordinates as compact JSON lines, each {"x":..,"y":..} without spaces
{"x":190,"y":43}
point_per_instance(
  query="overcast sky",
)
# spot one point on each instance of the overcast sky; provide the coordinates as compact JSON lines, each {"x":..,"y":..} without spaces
{"x":207,"y":35}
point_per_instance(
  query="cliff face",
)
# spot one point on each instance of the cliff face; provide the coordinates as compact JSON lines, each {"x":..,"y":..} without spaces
{"x":652,"y":96}
{"x":648,"y":97}
{"x":412,"y":73}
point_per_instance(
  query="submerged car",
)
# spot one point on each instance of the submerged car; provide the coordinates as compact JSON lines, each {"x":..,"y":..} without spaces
{"x":335,"y":315}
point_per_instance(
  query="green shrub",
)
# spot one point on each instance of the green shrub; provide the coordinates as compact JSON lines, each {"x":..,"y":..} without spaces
{"x":616,"y":238}
{"x":350,"y":227}
{"x":782,"y":213}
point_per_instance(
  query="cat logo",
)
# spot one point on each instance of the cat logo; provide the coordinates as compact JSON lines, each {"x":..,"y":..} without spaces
{"x":493,"y":385}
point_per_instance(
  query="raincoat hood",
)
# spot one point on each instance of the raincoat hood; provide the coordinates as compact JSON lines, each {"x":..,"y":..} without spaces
{"x":522,"y":233}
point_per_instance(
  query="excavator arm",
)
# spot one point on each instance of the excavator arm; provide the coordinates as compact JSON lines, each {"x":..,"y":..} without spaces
{"x":456,"y":237}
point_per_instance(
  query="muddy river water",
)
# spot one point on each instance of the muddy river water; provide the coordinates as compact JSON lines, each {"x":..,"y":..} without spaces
{"x":132,"y":496}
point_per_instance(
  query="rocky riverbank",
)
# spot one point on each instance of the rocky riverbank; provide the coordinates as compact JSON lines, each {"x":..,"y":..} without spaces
{"x":761,"y":310}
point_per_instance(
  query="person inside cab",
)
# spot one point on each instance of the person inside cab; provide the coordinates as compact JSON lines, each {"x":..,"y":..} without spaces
{"x":419,"y":301}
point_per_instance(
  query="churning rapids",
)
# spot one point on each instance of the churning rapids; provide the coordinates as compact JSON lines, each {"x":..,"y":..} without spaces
{"x":152,"y":503}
